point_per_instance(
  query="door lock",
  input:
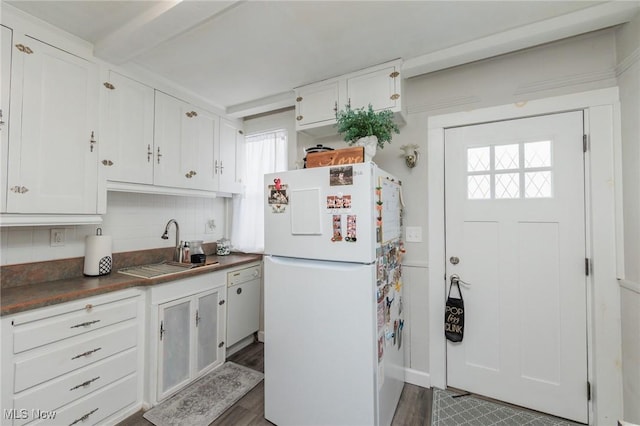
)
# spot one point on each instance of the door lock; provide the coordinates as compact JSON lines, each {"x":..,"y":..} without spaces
{"x":454,"y":260}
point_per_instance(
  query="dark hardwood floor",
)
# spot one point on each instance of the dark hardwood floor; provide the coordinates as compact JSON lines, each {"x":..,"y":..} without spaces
{"x":414,"y":408}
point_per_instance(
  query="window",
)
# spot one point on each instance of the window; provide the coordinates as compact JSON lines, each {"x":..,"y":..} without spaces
{"x":263,"y":153}
{"x":510,"y":171}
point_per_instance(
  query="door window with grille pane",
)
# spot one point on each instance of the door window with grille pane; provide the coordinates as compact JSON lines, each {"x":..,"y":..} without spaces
{"x":510,"y":171}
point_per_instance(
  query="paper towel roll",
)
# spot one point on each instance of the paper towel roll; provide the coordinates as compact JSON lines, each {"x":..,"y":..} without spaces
{"x":97,"y":254}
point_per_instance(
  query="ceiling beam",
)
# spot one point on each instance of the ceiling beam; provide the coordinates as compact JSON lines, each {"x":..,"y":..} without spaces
{"x":164,"y":21}
{"x":258,"y":106}
{"x":593,"y":18}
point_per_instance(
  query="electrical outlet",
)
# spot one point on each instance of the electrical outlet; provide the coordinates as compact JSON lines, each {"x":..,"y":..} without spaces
{"x":210,"y":226}
{"x":57,"y":237}
{"x":413,"y":234}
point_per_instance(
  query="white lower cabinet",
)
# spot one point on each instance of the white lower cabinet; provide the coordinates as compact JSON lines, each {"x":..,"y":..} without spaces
{"x":186,"y":332}
{"x":74,"y":362}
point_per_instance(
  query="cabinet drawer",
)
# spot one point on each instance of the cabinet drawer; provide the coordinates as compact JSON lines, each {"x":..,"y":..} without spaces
{"x":32,"y":334}
{"x":244,"y":275}
{"x":98,"y":405}
{"x":58,"y":360}
{"x":56,"y":393}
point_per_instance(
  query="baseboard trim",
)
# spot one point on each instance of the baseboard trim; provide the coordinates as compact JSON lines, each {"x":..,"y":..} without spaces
{"x":418,"y":378}
{"x":239,"y":345}
{"x":261,"y":336}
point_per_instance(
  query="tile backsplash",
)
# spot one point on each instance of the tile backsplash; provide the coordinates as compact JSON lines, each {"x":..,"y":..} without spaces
{"x":134,"y":221}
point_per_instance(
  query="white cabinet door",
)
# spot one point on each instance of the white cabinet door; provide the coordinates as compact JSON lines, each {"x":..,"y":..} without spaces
{"x":5,"y":40}
{"x":317,"y":103}
{"x":53,"y":155}
{"x":201,"y":147}
{"x":184,"y":138}
{"x":174,"y":350}
{"x":210,"y":315}
{"x":377,"y":88}
{"x":191,"y":327}
{"x":127,"y":149}
{"x":170,"y":168}
{"x":229,"y":162}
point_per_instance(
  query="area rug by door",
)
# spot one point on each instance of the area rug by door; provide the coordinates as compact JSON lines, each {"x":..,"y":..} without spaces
{"x":473,"y":411}
{"x":206,"y":399}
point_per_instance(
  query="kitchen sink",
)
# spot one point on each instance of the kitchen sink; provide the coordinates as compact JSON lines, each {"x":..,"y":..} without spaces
{"x":156,"y":269}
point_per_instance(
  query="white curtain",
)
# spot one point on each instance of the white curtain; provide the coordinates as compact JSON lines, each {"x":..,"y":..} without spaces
{"x":264,"y":153}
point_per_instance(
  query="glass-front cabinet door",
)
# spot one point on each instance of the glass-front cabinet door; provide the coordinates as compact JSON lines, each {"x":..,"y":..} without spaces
{"x":174,"y":346}
{"x":210,"y":325}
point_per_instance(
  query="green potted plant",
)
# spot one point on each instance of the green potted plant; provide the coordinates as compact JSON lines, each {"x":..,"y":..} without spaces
{"x":367,"y":128}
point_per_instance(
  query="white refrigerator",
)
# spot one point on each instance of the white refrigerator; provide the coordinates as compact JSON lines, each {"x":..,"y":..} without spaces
{"x":333,"y":296}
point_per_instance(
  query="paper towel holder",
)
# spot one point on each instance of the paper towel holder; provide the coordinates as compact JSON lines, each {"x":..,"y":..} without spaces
{"x":98,"y":256}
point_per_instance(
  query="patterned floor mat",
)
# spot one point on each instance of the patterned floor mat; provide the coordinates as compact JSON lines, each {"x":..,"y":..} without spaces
{"x":473,"y":411}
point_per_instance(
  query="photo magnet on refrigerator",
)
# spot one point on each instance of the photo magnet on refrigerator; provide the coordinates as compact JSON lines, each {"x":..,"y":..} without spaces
{"x":278,"y":197}
{"x":351,"y":228}
{"x":341,"y":176}
{"x":337,"y":228}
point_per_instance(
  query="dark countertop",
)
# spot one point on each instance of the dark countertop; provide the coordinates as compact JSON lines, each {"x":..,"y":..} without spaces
{"x":31,"y":296}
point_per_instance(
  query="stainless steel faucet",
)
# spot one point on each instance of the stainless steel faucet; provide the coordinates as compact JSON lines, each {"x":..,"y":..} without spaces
{"x":177,"y":254}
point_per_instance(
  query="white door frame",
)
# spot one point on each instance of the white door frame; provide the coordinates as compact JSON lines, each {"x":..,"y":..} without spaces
{"x":603,"y":199}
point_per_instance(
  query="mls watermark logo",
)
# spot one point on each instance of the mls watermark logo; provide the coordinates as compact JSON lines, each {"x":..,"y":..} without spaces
{"x":25,"y":414}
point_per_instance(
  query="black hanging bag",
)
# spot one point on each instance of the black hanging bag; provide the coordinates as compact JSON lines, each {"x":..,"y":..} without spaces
{"x":454,"y":313}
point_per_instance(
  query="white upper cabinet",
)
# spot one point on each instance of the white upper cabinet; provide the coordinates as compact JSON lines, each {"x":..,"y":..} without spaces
{"x":184,"y":144}
{"x":380,"y":88}
{"x":53,"y":152}
{"x":127,"y":150}
{"x":229,"y":162}
{"x":318,"y":103}
{"x":153,"y":138}
{"x":5,"y":84}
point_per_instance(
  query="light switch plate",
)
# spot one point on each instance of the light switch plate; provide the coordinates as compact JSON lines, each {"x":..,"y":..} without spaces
{"x":413,"y":234}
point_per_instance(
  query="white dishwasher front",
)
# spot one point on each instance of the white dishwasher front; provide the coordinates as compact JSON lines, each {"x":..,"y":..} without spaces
{"x":243,"y":298}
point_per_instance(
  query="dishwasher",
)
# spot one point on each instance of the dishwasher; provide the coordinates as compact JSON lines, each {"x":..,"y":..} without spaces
{"x":243,"y":303}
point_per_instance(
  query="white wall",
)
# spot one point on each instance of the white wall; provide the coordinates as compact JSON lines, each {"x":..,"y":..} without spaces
{"x":569,"y":66}
{"x":135,"y":222}
{"x":628,"y":55}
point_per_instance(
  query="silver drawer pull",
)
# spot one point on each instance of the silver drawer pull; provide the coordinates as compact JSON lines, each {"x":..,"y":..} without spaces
{"x":84,"y":324}
{"x":87,"y":353}
{"x":85,"y":384}
{"x":85,"y":417}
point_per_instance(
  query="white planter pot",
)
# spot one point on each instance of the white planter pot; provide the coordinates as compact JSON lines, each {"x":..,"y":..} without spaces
{"x":370,"y":144}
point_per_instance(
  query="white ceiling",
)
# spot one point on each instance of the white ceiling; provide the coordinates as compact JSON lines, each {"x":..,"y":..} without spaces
{"x":247,"y":56}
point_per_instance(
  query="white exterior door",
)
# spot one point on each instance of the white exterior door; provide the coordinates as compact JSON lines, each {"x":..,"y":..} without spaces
{"x":515,"y":231}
